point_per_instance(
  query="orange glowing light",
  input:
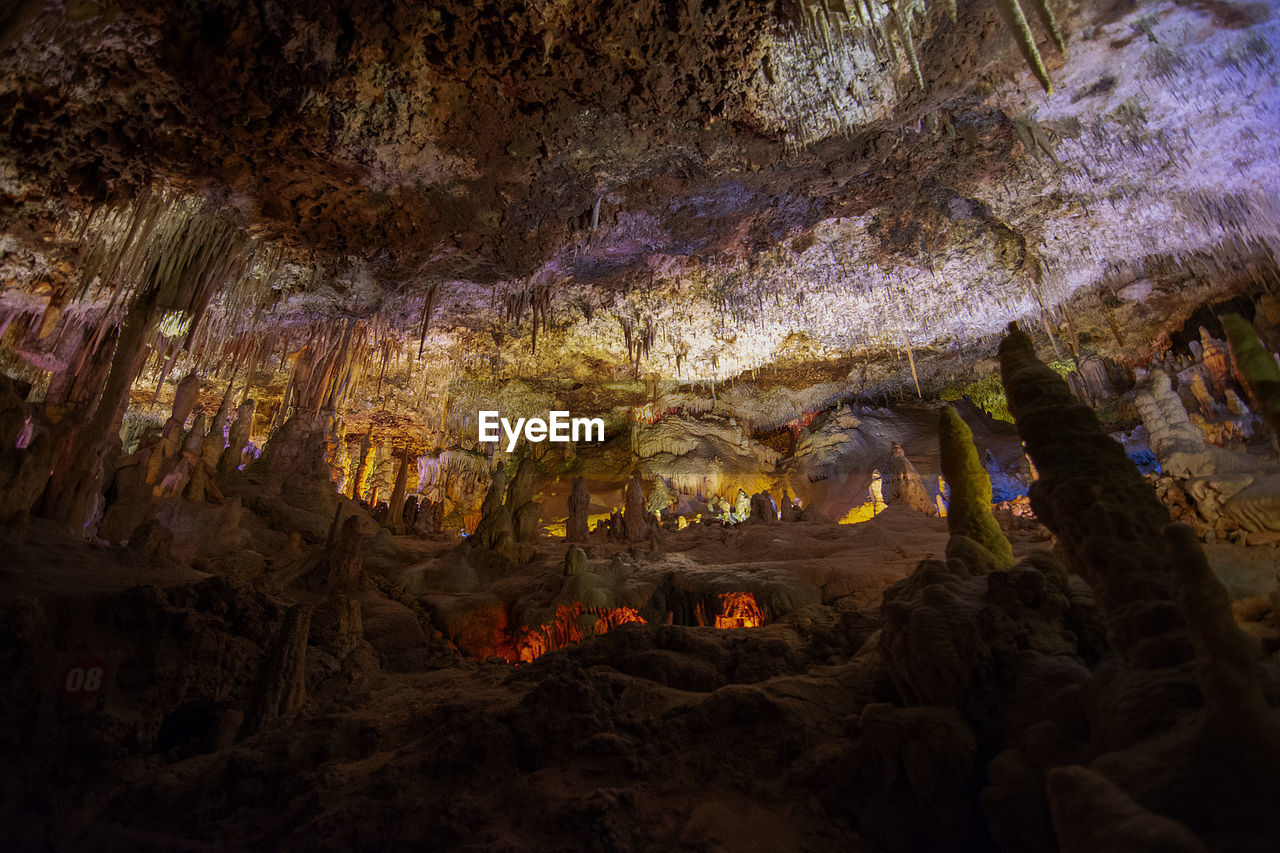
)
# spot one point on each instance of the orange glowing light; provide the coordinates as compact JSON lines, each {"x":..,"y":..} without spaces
{"x":739,"y":610}
{"x":570,"y":627}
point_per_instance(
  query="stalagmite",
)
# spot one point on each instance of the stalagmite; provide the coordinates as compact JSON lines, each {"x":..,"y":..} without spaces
{"x":1227,"y":659}
{"x":395,"y":515}
{"x":23,"y":470}
{"x":495,"y":530}
{"x":1092,"y":497}
{"x":634,"y":517}
{"x":1091,"y":814}
{"x":1259,"y":370}
{"x":901,"y":482}
{"x":579,"y":504}
{"x":345,"y":560}
{"x":526,"y":513}
{"x":1216,"y":362}
{"x":282,"y":683}
{"x":233,"y":456}
{"x":969,"y":487}
{"x":762,"y":508}
{"x":175,"y":480}
{"x":366,"y":447}
{"x":80,"y":453}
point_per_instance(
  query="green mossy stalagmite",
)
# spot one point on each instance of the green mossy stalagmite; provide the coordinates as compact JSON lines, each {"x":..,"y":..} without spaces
{"x":1258,"y":368}
{"x":969,"y":510}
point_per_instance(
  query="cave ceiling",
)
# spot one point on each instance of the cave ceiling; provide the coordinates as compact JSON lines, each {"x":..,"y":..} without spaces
{"x":602,"y":190}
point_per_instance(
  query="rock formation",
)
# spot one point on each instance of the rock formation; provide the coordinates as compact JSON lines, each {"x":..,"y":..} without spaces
{"x":579,"y":506}
{"x":901,"y":482}
{"x":635,"y":518}
{"x":969,"y":487}
{"x":1259,"y":370}
{"x":693,"y":255}
{"x":23,"y":470}
{"x":395,"y":512}
{"x":344,"y":558}
{"x":495,"y":530}
{"x":282,"y":686}
{"x":762,"y":508}
{"x":233,"y":456}
{"x":526,"y":513}
{"x":1108,"y":519}
{"x":787,"y":511}
{"x":1230,"y":490}
{"x":1161,"y":608}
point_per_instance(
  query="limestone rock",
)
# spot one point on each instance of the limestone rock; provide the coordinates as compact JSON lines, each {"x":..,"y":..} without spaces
{"x":579,"y":503}
{"x":575,"y":561}
{"x":23,"y":470}
{"x":526,"y":522}
{"x":282,"y":686}
{"x":233,"y":456}
{"x":1106,"y":517}
{"x":635,"y":518}
{"x":1092,"y":815}
{"x":762,"y":508}
{"x":969,"y":509}
{"x":344,"y":559}
{"x":901,"y":482}
{"x":788,"y":511}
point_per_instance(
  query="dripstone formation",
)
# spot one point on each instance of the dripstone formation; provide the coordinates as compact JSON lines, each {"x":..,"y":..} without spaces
{"x":888,"y":411}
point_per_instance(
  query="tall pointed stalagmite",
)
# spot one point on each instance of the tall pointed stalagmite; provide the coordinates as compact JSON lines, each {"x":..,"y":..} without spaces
{"x":362,"y":464}
{"x":233,"y":456}
{"x":579,"y":503}
{"x":969,"y":510}
{"x":395,"y":513}
{"x":1108,"y":520}
{"x":526,"y":513}
{"x":495,"y":530}
{"x":635,"y":519}
{"x":902,"y":482}
{"x":1258,"y":368}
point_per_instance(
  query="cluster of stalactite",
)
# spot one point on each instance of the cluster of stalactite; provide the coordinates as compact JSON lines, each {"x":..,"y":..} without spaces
{"x":877,"y":26}
{"x":829,"y":48}
{"x":149,"y":270}
{"x":533,"y":300}
{"x":739,"y":610}
{"x":573,"y":624}
{"x":639,"y":339}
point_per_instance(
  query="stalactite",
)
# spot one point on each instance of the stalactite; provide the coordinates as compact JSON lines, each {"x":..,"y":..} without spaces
{"x":428,"y":307}
{"x":908,"y":44}
{"x":1050,"y":23}
{"x":1011,"y":12}
{"x":77,"y":475}
{"x":911,"y":358}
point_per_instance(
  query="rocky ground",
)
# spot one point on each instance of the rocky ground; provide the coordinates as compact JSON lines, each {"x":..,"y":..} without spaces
{"x":647,"y":737}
